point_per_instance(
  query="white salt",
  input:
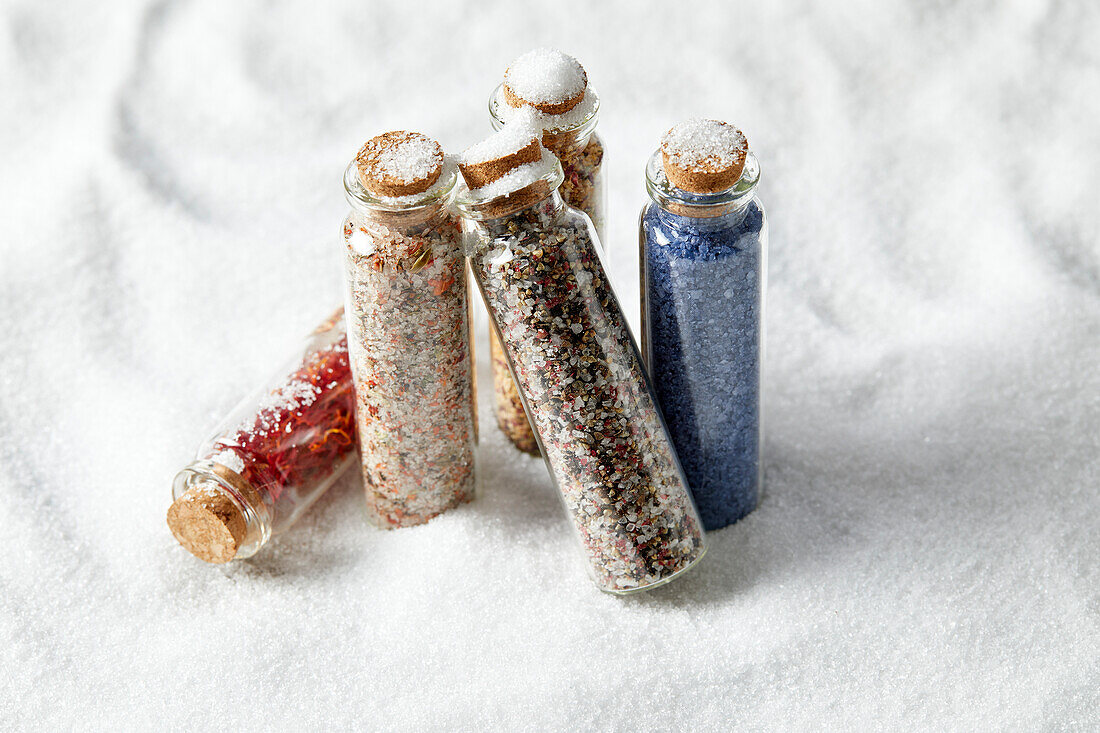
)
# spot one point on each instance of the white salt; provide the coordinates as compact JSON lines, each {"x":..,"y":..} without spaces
{"x":575,"y":117}
{"x":513,"y":137}
{"x":230,"y":460}
{"x":446,"y":179}
{"x":925,"y":553}
{"x":410,"y":160}
{"x":519,"y":177}
{"x":545,"y":76}
{"x":698,"y":142}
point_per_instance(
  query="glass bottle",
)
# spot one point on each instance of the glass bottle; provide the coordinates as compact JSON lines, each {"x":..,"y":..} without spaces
{"x":272,"y":456}
{"x":581,"y":379}
{"x":573,"y":139}
{"x":411,"y":355}
{"x":703,"y":266}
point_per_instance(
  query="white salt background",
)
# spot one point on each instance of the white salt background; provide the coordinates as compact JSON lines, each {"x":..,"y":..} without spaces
{"x":925,"y":556}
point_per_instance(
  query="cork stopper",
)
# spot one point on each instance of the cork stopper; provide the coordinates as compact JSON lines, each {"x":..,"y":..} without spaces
{"x":703,"y":156}
{"x":399,"y":163}
{"x":208,"y":524}
{"x":547,"y":79}
{"x":518,"y":200}
{"x":488,"y":161}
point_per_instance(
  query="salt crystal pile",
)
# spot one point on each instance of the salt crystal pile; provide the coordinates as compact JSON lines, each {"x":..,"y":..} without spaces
{"x":507,"y":161}
{"x":547,"y":79}
{"x":399,"y":163}
{"x":408,"y":336}
{"x":704,"y":156}
{"x":551,"y":84}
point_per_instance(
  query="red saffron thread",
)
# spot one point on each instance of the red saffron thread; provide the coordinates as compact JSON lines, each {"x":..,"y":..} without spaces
{"x":297,"y":443}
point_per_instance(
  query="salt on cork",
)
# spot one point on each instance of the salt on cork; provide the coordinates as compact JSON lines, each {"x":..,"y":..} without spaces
{"x":516,"y":144}
{"x":508,"y":161}
{"x":703,"y":156}
{"x":547,"y":79}
{"x":208,"y":524}
{"x":399,"y":163}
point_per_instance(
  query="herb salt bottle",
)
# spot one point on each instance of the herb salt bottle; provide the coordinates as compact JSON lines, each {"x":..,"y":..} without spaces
{"x":553,"y":88}
{"x":704,"y":261}
{"x":272,"y":456}
{"x":536,"y":262}
{"x":409,"y":330}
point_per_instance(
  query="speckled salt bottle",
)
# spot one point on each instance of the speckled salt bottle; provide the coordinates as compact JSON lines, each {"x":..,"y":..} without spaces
{"x":703,"y":258}
{"x":552,"y":89}
{"x":408,"y":331}
{"x":580,"y":375}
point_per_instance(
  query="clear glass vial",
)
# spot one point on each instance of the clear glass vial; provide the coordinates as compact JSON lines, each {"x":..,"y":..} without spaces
{"x":275,"y":454}
{"x":580,"y":375}
{"x":572,"y":137}
{"x":411,"y":355}
{"x":703,"y":265}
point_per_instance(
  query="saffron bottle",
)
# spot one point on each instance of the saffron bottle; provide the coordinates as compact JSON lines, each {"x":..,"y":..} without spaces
{"x":553,"y":88}
{"x":580,"y":376}
{"x":409,"y":331}
{"x":703,"y":256}
{"x":275,"y":454}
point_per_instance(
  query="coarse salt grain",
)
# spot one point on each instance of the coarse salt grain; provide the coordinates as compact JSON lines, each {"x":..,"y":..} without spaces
{"x":409,"y":160}
{"x":703,"y":144}
{"x":545,"y":76}
{"x":519,"y":177}
{"x":550,"y":122}
{"x":514,"y":136}
{"x":230,"y":460}
{"x":446,"y":179}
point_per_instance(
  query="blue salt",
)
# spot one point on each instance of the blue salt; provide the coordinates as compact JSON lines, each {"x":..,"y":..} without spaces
{"x":704,"y":315}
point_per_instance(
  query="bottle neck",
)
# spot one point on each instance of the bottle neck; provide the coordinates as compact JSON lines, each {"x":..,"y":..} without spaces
{"x":716,"y":218}
{"x":724,"y":207}
{"x":405,"y":223}
{"x":405,"y":214}
{"x":545,"y":210}
{"x":541,"y":196}
{"x":568,"y":144}
{"x":565,"y":135}
{"x":238,"y":507}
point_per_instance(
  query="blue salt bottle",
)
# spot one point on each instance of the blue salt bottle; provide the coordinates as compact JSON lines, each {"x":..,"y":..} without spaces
{"x":703,"y":259}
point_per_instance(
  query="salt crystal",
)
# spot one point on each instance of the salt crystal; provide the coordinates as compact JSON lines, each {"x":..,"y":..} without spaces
{"x":409,"y":160}
{"x":445,"y":180}
{"x":550,"y":122}
{"x":697,"y":143}
{"x":230,"y":460}
{"x":545,"y":76}
{"x":511,"y":138}
{"x":519,"y":177}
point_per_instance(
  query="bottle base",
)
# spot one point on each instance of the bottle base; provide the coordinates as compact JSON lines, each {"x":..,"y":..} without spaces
{"x":659,"y":583}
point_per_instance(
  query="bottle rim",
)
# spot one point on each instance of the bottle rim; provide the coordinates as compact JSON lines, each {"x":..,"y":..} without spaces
{"x":438,"y":194}
{"x":579,"y":129}
{"x":686,"y":203}
{"x":245,"y":497}
{"x":479,"y":207}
